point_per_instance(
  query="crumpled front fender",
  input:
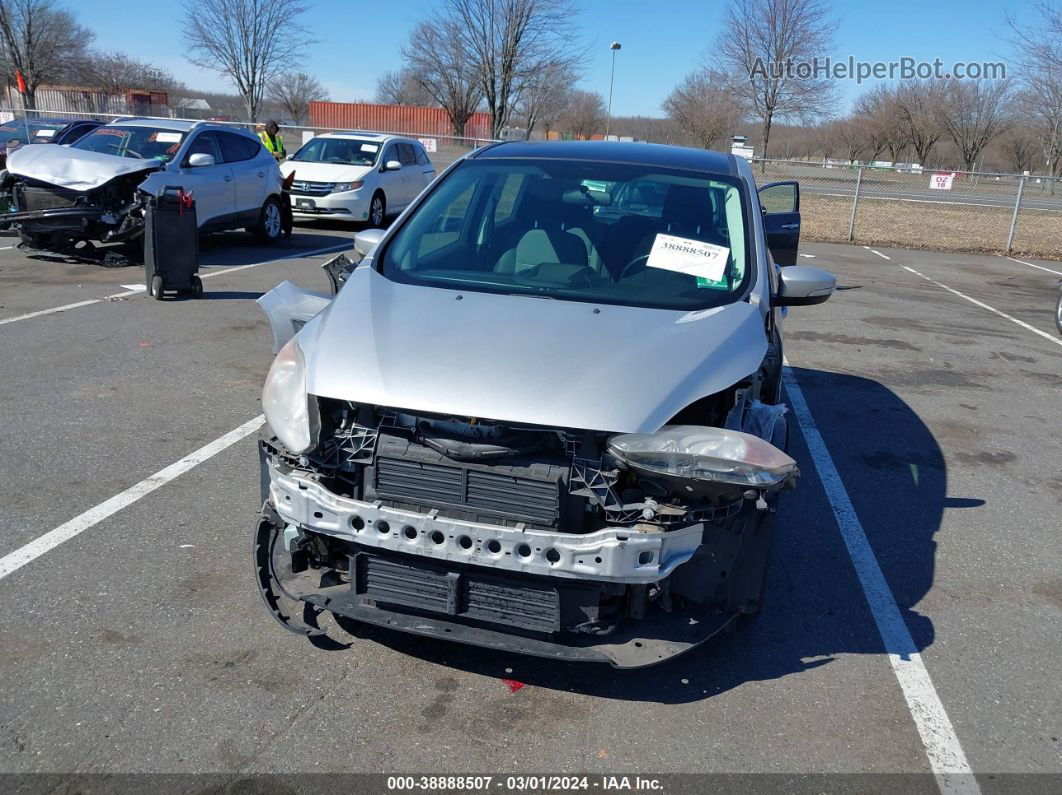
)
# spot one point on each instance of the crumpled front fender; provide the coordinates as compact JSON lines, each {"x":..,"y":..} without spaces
{"x":288,"y":308}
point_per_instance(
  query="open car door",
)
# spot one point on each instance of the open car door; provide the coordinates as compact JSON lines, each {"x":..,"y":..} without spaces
{"x":780,"y":203}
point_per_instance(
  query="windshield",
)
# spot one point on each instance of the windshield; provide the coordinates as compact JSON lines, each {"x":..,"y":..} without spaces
{"x":603,"y":232}
{"x":39,"y":132}
{"x":342,"y":151}
{"x":135,"y":142}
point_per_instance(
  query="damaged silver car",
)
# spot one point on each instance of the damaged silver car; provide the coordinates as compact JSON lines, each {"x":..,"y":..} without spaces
{"x":66,"y":198}
{"x":543,"y":412}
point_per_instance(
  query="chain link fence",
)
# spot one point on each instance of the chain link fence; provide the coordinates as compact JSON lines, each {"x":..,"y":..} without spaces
{"x":442,"y":149}
{"x":945,"y":210}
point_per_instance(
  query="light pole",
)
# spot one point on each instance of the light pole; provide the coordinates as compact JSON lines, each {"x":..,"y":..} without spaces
{"x":611,"y":80}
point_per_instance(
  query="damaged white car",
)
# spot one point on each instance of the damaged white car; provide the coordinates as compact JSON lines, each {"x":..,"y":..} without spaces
{"x":62,"y":197}
{"x":543,"y":413}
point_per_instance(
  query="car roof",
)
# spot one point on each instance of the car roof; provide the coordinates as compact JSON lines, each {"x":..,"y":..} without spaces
{"x":662,"y":155}
{"x":163,"y":124}
{"x":43,"y":120}
{"x":364,"y":136}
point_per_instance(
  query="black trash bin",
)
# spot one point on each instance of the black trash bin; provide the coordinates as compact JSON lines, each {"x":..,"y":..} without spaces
{"x":171,"y":244}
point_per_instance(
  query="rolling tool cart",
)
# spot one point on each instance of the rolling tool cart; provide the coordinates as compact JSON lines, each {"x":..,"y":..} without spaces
{"x":171,"y":244}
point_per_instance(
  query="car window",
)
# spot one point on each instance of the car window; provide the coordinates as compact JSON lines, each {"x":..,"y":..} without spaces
{"x":422,"y":156}
{"x":391,"y":153}
{"x":341,"y":151}
{"x":508,"y":190}
{"x":780,"y":198}
{"x":236,"y":148}
{"x":510,"y":226}
{"x":133,"y":141}
{"x":203,"y":144}
{"x":406,"y":155}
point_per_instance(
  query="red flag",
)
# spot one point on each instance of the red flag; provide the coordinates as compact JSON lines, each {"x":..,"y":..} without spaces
{"x":21,"y":81}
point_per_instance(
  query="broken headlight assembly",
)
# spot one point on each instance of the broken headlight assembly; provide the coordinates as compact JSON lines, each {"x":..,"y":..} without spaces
{"x":698,"y":452}
{"x":292,"y":415}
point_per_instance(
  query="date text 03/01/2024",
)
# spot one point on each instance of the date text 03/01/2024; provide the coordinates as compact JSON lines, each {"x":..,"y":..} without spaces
{"x":526,"y":783}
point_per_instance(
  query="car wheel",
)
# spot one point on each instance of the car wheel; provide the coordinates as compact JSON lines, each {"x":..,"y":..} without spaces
{"x":30,"y":241}
{"x":270,"y":227}
{"x":197,"y":287}
{"x":377,"y":210}
{"x":1058,"y":314}
{"x":156,"y":287}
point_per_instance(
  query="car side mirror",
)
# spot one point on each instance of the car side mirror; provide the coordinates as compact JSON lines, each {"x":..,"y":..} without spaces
{"x":392,"y":165}
{"x":366,"y":241}
{"x":801,"y":285}
{"x":200,"y":159}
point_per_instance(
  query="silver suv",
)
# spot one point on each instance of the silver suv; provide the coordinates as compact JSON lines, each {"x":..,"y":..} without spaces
{"x":544,"y":413}
{"x":94,"y":189}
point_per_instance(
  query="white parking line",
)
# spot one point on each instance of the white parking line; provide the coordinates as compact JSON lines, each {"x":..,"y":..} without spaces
{"x":13,"y":561}
{"x":1034,"y":265}
{"x":982,"y":304}
{"x":946,"y":757}
{"x":133,"y":290}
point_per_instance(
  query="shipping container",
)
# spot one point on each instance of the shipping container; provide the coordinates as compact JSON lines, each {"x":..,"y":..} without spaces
{"x":393,"y":118}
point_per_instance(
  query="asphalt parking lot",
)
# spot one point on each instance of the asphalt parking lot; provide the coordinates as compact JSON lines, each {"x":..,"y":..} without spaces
{"x":135,"y":641}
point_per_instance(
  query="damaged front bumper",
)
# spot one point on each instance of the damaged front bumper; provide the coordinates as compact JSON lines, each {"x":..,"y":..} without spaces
{"x":516,"y":589}
{"x":639,"y":555}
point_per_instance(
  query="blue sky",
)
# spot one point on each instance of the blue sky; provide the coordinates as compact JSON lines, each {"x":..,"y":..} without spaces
{"x":662,"y":40}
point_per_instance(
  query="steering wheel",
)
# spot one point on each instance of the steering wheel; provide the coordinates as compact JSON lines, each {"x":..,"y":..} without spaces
{"x":629,"y":265}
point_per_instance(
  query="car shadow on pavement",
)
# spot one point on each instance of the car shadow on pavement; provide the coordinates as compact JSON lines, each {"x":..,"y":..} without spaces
{"x":240,"y":248}
{"x":894,"y":473}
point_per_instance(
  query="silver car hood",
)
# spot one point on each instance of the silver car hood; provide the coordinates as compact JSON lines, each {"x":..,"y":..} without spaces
{"x":77,"y":169}
{"x":523,"y":359}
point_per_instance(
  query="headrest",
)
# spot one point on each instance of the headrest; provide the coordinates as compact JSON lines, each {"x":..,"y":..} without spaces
{"x":687,"y":205}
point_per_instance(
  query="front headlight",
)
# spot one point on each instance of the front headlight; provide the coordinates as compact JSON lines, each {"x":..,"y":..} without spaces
{"x":700,"y":452}
{"x":343,"y":187}
{"x":289,"y":410}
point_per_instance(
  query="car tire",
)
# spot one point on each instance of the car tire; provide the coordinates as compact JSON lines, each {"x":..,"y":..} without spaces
{"x":197,"y":287}
{"x":1058,"y":314}
{"x":30,"y":241}
{"x":156,"y":287}
{"x":270,"y":226}
{"x":378,"y":210}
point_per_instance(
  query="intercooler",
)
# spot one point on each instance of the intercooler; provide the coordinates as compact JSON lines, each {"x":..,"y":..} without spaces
{"x":45,"y":197}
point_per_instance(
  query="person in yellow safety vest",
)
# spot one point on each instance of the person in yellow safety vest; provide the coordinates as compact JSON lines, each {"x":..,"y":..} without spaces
{"x":272,"y":140}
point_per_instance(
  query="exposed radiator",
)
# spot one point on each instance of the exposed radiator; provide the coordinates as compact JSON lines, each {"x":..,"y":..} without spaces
{"x":426,"y":586}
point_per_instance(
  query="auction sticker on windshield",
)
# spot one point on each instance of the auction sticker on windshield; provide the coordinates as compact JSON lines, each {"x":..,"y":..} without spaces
{"x":692,"y":257}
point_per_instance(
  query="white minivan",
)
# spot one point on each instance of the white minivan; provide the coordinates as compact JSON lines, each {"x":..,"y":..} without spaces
{"x":357,"y":176}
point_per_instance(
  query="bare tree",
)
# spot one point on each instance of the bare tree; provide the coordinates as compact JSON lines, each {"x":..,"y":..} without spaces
{"x":294,"y":91}
{"x":759,"y":41}
{"x":116,"y":71}
{"x":1038,"y":51}
{"x":402,"y":88}
{"x":249,"y":41}
{"x":973,"y":114}
{"x":1020,"y":147}
{"x":585,"y":113}
{"x":509,"y":44}
{"x":883,"y":122}
{"x":543,"y":98}
{"x":703,"y":107}
{"x":918,"y":102}
{"x":436,"y":58}
{"x":41,"y":40}
{"x":852,"y":137}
